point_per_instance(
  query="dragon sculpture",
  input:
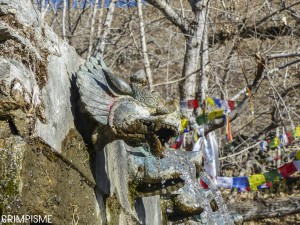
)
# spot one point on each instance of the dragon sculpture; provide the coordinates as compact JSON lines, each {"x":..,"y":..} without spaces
{"x":140,"y":118}
{"x":130,"y":111}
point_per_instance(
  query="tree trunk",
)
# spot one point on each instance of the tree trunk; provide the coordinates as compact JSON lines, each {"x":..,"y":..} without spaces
{"x":104,"y":33}
{"x":252,"y":210}
{"x":92,"y":29}
{"x":144,"y":45}
{"x":195,"y":41}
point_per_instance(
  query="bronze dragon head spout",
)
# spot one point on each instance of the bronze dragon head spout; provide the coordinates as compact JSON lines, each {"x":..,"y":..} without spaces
{"x":131,"y":111}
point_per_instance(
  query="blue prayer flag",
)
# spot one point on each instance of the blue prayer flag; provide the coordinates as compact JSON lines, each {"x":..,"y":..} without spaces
{"x":218,"y":102}
{"x":241,"y":183}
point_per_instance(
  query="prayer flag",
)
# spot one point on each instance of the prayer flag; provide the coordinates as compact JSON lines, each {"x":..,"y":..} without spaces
{"x":218,"y":102}
{"x":178,"y":142}
{"x":256,"y":180}
{"x":297,"y":132}
{"x":231,"y":105}
{"x":210,"y":101}
{"x":283,"y":140}
{"x":227,"y":128}
{"x":297,"y":164}
{"x":203,"y":184}
{"x":241,"y":183}
{"x":183,"y":124}
{"x":272,"y":176}
{"x":211,"y":155}
{"x":224,"y":104}
{"x":265,"y":185}
{"x":274,"y":142}
{"x":193,"y":104}
{"x":287,"y":169}
{"x":224,"y":182}
{"x":297,"y":156}
{"x":263,"y":145}
{"x":199,"y":143}
{"x":290,"y":137}
{"x":202,"y":119}
{"x":215,"y":114}
{"x":183,"y":104}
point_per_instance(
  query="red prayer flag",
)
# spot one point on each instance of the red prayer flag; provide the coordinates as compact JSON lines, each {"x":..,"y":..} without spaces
{"x":231,"y":105}
{"x":289,"y":136}
{"x":287,"y":169}
{"x":192,"y":104}
{"x":203,"y":184}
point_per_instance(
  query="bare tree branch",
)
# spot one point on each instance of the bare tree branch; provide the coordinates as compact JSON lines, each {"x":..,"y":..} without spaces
{"x":171,"y":14}
{"x":275,"y":12}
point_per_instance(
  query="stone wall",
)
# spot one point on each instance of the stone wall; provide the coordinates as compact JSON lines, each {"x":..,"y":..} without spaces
{"x":46,"y":166}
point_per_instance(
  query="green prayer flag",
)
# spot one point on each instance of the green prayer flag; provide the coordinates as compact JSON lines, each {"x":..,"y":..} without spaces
{"x":202,"y":119}
{"x":272,"y":176}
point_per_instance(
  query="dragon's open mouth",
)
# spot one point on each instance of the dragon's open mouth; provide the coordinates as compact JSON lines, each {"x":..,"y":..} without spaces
{"x":165,"y":133}
{"x":159,"y":137}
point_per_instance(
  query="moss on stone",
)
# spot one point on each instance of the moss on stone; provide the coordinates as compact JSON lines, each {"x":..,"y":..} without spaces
{"x":163,"y":206}
{"x":133,"y":193}
{"x":113,"y":209}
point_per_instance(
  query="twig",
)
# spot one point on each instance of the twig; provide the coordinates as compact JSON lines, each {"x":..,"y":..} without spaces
{"x":238,"y":153}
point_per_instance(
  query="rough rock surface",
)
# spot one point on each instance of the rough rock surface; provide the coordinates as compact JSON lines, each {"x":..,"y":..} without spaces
{"x":45,"y":164}
{"x":44,"y":161}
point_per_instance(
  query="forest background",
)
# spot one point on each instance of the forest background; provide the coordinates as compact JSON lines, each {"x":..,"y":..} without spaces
{"x":245,"y":51}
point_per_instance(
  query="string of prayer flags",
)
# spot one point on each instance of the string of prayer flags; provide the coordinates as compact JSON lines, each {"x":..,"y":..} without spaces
{"x":256,"y":180}
{"x":259,"y":181}
{"x":228,"y":105}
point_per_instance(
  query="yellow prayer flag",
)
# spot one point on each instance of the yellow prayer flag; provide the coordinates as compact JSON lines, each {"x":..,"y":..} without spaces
{"x":211,"y":116}
{"x":210,"y":101}
{"x":297,"y":132}
{"x":215,"y":114}
{"x":219,"y":113}
{"x":297,"y":157}
{"x":183,"y":124}
{"x":276,"y":141}
{"x":256,"y":180}
{"x":195,"y":136}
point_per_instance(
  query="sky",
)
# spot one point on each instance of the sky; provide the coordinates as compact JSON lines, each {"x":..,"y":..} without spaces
{"x":87,"y":3}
